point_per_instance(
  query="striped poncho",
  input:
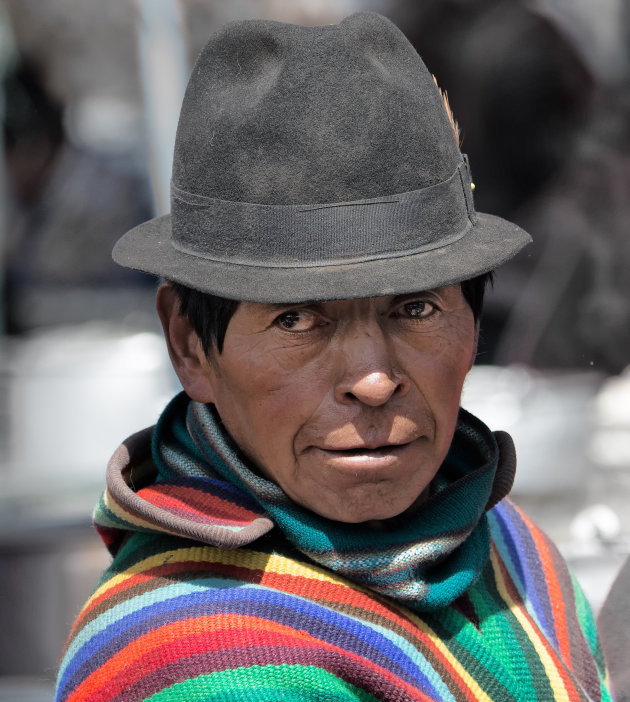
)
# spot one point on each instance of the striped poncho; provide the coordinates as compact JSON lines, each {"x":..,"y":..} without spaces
{"x":244,"y":614}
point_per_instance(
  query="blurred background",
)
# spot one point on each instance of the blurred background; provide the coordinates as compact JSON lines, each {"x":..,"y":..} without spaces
{"x":89,"y":103}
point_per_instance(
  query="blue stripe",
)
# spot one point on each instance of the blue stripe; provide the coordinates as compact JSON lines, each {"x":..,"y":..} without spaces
{"x":516,"y":558}
{"x":232,"y":597}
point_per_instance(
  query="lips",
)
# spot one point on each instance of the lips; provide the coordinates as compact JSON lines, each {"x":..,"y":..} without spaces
{"x":364,"y":449}
{"x":368,"y":457}
{"x":366,"y":445}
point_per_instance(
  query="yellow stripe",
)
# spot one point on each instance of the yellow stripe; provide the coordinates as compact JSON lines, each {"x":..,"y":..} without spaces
{"x":472,"y":684}
{"x":441,"y":647}
{"x":287,"y":566}
{"x":121,"y":513}
{"x":281,"y":565}
{"x":555,"y":678}
{"x":252,"y":560}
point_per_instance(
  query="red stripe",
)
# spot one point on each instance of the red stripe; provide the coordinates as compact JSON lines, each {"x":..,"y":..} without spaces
{"x":337,"y":593}
{"x":561,"y":668}
{"x":553,"y":586}
{"x":210,"y":568}
{"x":176,"y":641}
{"x":189,"y":501}
{"x":317,"y":590}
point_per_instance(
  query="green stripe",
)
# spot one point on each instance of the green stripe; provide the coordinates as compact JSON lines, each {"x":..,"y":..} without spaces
{"x":468,"y":647}
{"x":270,"y":683}
{"x":585,"y":618}
{"x":588,"y":626}
{"x":530,"y":680}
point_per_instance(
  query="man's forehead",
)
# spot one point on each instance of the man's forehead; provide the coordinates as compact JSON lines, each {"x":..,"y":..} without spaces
{"x":357,"y":301}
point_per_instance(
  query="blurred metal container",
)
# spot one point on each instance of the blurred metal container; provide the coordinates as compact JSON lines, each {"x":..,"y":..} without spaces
{"x":550,"y":417}
{"x":610,"y":444}
{"x":71,"y":396}
{"x":75,"y":393}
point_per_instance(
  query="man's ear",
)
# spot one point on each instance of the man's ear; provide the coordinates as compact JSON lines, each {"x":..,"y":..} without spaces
{"x":189,"y":360}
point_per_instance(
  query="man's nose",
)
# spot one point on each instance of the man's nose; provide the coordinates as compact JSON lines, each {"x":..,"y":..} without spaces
{"x":374,"y":389}
{"x":371,"y":374}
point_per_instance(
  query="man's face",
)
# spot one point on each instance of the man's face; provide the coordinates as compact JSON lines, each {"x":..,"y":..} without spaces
{"x":349,"y":405}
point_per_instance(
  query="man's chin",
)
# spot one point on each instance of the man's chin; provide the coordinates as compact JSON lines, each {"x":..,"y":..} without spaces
{"x":372,"y":510}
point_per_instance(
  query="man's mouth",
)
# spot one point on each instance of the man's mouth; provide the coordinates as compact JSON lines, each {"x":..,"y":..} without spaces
{"x":354,"y":446}
{"x":382,"y":450}
{"x":369,"y":456}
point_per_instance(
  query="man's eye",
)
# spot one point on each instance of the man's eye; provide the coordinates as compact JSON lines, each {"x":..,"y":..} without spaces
{"x":296,"y":320}
{"x":418,"y":309}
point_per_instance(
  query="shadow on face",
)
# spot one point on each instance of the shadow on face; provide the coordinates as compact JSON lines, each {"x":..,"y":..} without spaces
{"x":349,"y":405}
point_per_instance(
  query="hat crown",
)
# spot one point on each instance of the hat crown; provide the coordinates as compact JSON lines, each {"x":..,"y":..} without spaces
{"x":282,"y":115}
{"x":316,"y":163}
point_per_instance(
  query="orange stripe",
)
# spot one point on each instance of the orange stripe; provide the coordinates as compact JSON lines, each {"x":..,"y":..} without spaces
{"x":146,"y":645}
{"x":555,"y":590}
{"x":129,"y":582}
{"x":329,"y":589}
{"x":163,"y":571}
{"x":149,"y":648}
{"x":348,"y":593}
{"x":515,"y":602}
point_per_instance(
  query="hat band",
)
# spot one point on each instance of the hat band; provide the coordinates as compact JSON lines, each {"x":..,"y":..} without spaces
{"x":266,"y":236}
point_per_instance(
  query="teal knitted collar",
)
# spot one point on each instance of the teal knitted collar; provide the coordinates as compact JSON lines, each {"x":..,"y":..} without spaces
{"x":425,"y":558}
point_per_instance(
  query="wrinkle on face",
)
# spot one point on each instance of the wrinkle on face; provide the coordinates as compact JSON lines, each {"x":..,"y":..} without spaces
{"x":287,"y":400}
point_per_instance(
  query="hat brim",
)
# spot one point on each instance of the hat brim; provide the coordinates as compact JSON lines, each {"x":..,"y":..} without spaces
{"x":489,"y":242}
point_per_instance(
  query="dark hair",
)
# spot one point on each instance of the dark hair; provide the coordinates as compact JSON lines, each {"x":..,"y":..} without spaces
{"x":474,"y":290}
{"x":209,"y":315}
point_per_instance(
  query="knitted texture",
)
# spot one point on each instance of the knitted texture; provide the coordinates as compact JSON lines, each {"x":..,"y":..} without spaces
{"x":431,"y":556}
{"x":206,"y":600}
{"x":174,"y":621}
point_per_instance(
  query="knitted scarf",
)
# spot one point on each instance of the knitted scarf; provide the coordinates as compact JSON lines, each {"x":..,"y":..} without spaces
{"x":206,"y":599}
{"x":425,"y":558}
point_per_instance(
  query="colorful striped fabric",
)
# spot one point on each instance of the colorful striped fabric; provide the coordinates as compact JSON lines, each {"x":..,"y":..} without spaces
{"x":173,"y":620}
{"x":207,"y":599}
{"x":449,"y":533}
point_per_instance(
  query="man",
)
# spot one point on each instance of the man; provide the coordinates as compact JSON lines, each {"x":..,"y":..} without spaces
{"x":315,"y":517}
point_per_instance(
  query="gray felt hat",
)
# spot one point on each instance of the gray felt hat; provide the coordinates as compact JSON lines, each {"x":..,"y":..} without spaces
{"x":317,"y":163}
